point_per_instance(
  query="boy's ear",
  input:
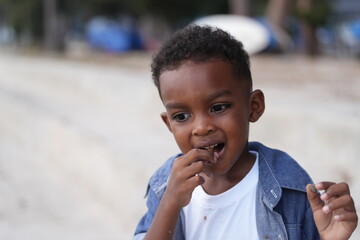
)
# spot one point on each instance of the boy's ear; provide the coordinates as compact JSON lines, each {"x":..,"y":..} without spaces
{"x":257,"y":105}
{"x":165,"y":119}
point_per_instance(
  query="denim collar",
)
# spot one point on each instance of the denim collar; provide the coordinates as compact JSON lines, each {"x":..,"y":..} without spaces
{"x":273,"y":176}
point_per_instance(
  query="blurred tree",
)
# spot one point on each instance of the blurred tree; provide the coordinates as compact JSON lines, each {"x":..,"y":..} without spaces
{"x":179,"y":13}
{"x":312,"y":14}
{"x":23,"y":16}
{"x":240,"y":7}
{"x":54,"y":26}
{"x":277,"y":11}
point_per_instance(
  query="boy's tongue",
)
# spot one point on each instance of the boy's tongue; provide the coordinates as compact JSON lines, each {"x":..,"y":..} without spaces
{"x":216,"y":155}
{"x":216,"y":150}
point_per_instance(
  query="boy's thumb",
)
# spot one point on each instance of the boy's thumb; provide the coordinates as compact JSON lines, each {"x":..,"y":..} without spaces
{"x":314,"y":198}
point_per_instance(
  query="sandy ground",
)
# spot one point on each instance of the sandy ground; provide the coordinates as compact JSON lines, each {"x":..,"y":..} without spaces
{"x":80,"y":138}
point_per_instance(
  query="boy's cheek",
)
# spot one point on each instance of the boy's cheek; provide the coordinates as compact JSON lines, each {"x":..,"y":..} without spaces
{"x":183,"y":145}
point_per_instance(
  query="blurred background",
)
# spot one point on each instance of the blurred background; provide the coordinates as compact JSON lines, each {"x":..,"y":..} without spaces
{"x":80,"y":131}
{"x":117,"y":26}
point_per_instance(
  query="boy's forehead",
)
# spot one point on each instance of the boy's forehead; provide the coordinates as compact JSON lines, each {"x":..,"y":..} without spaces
{"x":196,"y":61}
{"x":194,"y":65}
{"x":197,"y":75}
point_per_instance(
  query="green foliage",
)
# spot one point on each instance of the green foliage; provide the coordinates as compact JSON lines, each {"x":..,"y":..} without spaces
{"x":112,"y":8}
{"x":23,"y":15}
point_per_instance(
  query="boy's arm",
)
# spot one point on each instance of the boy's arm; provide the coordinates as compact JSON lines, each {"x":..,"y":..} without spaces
{"x":334,"y":211}
{"x":164,"y":222}
{"x":182,"y":182}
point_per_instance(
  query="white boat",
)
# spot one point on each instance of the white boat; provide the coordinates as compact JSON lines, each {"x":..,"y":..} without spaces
{"x":250,"y":32}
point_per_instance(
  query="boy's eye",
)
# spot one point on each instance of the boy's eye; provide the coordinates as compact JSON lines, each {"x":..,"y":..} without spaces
{"x":181,"y":117}
{"x":218,"y":108}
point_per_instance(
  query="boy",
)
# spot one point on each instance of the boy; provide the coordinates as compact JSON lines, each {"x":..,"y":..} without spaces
{"x":222,"y":186}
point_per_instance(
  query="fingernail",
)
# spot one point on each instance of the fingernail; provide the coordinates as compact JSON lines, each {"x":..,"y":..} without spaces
{"x":326,"y":209}
{"x":313,"y":188}
{"x":324,"y":196}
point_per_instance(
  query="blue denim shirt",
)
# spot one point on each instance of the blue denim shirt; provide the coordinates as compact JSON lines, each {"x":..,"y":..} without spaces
{"x":282,"y":209}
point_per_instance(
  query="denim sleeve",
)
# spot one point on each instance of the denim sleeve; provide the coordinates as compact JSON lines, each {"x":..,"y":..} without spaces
{"x":145,"y":222}
{"x":309,"y":228}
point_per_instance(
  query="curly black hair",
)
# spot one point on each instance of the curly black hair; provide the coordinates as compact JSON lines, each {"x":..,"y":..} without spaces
{"x":201,"y":44}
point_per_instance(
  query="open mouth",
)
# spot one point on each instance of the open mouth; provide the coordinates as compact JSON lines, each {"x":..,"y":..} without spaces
{"x":214,"y":148}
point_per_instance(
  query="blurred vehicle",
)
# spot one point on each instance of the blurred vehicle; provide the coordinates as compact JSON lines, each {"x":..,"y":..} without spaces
{"x":350,"y":35}
{"x":108,"y":35}
{"x":341,"y":36}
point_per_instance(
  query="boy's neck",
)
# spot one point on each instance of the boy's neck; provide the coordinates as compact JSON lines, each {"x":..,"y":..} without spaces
{"x":220,"y":183}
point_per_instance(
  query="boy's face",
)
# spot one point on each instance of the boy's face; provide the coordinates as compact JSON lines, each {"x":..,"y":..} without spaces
{"x":207,"y":105}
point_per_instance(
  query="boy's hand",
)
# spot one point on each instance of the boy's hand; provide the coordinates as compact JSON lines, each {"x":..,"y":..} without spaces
{"x":334,"y":211}
{"x":185,"y":176}
{"x":183,"y":179}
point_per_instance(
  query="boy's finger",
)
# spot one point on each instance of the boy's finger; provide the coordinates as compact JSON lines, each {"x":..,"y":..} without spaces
{"x":345,"y":202}
{"x":195,"y":181}
{"x":195,"y":168}
{"x":333,"y":190}
{"x":314,"y":198}
{"x":198,"y":167}
{"x":206,"y":156}
{"x":195,"y":155}
{"x":323,"y":185}
{"x":346,"y":217}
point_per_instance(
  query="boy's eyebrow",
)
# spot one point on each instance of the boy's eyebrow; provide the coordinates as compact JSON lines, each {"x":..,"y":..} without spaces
{"x":219,"y":94}
{"x":175,"y":105}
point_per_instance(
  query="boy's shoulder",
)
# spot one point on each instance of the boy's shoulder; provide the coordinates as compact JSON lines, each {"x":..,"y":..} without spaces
{"x":279,"y":166}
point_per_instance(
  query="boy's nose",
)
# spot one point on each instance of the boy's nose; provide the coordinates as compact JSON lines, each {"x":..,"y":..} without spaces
{"x":203,"y":126}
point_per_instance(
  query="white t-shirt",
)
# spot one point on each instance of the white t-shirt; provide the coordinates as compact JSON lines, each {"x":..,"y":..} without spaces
{"x":229,"y":215}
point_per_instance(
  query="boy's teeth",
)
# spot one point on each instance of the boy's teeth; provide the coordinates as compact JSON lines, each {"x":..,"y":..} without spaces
{"x":211,"y":147}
